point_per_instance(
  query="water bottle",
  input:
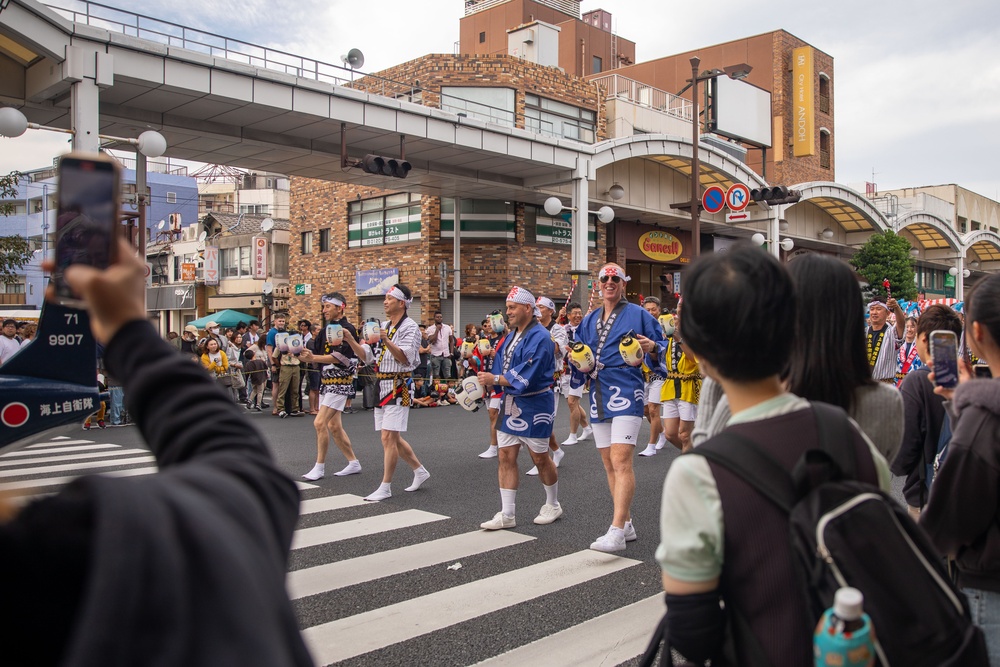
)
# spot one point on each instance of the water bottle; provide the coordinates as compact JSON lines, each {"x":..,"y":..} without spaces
{"x":844,"y":635}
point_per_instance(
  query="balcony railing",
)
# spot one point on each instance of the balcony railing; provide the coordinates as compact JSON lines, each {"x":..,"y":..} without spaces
{"x":619,"y":87}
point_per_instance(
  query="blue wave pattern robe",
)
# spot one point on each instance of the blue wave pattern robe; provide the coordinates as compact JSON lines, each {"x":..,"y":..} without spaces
{"x":619,"y":390}
{"x":528,"y":406}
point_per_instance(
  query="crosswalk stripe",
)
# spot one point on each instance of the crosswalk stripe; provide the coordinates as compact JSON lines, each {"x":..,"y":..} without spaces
{"x":610,"y":639}
{"x":370,"y":631}
{"x":21,"y":453}
{"x":332,"y":576}
{"x":31,"y":484}
{"x":328,"y":503}
{"x":79,"y":456}
{"x":305,"y":485}
{"x":61,"y":443}
{"x":345,"y":530}
{"x":65,"y":467}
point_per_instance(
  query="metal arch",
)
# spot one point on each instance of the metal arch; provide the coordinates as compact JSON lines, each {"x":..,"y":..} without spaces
{"x":974,"y":237}
{"x":644,"y":145}
{"x":818,"y":189}
{"x":938,"y":223}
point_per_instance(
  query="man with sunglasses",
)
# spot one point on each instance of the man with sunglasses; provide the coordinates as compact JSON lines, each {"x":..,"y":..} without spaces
{"x":617,"y":394}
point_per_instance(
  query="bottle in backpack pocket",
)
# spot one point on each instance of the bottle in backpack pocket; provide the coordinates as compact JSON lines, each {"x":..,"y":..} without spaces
{"x":844,"y":635}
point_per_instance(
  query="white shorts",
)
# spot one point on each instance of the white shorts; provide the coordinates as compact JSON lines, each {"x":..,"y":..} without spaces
{"x":674,"y":408}
{"x":622,"y":430}
{"x":653,"y":390}
{"x":495,"y":402}
{"x":537,"y":445}
{"x":392,"y":418}
{"x":335,"y":401}
{"x":575,"y":391}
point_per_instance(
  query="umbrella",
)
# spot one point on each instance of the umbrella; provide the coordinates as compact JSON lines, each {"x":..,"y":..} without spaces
{"x":225,"y":318}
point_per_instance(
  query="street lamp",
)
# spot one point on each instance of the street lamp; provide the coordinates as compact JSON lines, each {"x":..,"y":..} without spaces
{"x":734,"y":72}
{"x":554,"y":206}
{"x":785,"y":244}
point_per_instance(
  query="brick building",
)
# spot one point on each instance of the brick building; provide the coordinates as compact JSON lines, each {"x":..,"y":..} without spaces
{"x":345,"y":233}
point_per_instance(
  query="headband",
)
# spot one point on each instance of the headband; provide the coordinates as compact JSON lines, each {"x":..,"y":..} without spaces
{"x":521,"y":295}
{"x":332,"y":299}
{"x":614,"y":270}
{"x":877,"y":303}
{"x":397,"y":293}
{"x":546,"y":302}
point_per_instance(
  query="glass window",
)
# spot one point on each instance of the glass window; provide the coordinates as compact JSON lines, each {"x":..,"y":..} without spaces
{"x":324,"y":240}
{"x":558,"y":119}
{"x":493,"y":105}
{"x":280,"y":260}
{"x":598,"y":65}
{"x":171,"y":197}
{"x":384,"y":220}
{"x":307,"y":243}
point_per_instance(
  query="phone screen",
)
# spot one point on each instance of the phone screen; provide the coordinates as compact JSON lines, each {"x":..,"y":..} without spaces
{"x":944,"y":351}
{"x":87,"y":223}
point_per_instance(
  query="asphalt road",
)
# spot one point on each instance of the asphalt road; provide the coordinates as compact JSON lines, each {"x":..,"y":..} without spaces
{"x":386,"y":602}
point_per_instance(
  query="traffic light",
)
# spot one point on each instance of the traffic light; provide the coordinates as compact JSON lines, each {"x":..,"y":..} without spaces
{"x":385,"y":166}
{"x":777,"y":194}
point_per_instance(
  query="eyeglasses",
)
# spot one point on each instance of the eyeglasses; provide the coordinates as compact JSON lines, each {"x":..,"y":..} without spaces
{"x":614,"y":279}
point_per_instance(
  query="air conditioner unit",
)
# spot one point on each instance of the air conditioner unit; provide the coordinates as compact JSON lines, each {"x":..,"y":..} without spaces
{"x":175,"y":222}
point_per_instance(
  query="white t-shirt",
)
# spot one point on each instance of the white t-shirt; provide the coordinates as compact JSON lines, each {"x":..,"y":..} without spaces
{"x":8,"y":346}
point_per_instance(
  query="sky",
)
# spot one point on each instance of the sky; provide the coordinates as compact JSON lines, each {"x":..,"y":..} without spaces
{"x":916,"y":83}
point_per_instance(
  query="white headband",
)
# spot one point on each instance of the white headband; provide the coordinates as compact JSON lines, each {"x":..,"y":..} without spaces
{"x":546,"y":302}
{"x":334,"y":300}
{"x":397,"y":293}
{"x":877,"y":303}
{"x":614,"y":270}
{"x":521,"y":295}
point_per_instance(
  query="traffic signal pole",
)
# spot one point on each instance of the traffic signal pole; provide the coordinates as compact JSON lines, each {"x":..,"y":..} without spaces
{"x":695,"y":162}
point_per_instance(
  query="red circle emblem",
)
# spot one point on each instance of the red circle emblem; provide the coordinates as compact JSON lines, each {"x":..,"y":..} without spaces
{"x":14,"y":414}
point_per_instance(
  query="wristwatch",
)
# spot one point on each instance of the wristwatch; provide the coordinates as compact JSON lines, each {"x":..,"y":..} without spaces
{"x":496,"y":379}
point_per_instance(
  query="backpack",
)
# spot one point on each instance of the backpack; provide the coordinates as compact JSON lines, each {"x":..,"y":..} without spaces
{"x":844,"y":532}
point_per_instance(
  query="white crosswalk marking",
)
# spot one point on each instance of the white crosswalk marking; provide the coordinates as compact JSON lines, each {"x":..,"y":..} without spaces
{"x":22,"y":453}
{"x":83,"y":465}
{"x":14,"y":488}
{"x":330,"y":503}
{"x":69,"y":457}
{"x":310,"y":537}
{"x":369,"y":631}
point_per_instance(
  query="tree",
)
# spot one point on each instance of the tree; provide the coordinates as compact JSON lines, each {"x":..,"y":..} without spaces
{"x":886,"y":257}
{"x":15,"y":251}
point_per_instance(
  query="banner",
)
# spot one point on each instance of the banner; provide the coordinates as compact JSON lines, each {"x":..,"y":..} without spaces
{"x":260,"y":258}
{"x":211,"y":265}
{"x":803,"y":102}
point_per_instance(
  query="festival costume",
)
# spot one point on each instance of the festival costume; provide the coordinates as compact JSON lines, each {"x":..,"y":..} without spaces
{"x":906,"y":361}
{"x":683,"y":381}
{"x":881,"y":349}
{"x":527,"y":360}
{"x":392,"y":376}
{"x":337,"y":377}
{"x":616,"y":389}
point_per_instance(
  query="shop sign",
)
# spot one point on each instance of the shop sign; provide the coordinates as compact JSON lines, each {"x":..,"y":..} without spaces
{"x":660,"y":246}
{"x":259,"y":257}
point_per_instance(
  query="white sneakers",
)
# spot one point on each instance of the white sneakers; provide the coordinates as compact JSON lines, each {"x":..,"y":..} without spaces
{"x":352,"y":468}
{"x":490,"y":453}
{"x":548,"y":514}
{"x":587,"y":432}
{"x":499,"y":522}
{"x":630,"y":535}
{"x":610,"y":542}
{"x":649,"y":451}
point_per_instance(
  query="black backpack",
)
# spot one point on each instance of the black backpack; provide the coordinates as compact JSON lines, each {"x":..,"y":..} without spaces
{"x":845,"y":532}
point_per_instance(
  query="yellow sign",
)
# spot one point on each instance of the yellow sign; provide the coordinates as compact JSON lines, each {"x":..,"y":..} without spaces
{"x":803,"y":102}
{"x":661,"y":246}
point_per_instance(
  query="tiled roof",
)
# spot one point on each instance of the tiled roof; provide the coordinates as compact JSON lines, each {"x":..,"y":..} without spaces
{"x":245,"y":223}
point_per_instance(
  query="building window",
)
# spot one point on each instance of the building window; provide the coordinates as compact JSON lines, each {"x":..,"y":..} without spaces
{"x":597,"y":66}
{"x":171,"y":197}
{"x":307,"y":243}
{"x":482,"y":38}
{"x":493,"y":105}
{"x":13,"y":288}
{"x":557,"y":119}
{"x":235,"y":262}
{"x":824,"y":148}
{"x":280,"y":260}
{"x":324,"y":240}
{"x":255,"y":209}
{"x":824,"y":93}
{"x":384,"y":220}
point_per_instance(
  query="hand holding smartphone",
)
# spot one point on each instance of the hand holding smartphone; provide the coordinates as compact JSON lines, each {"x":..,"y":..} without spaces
{"x":87,"y":223}
{"x":944,"y":358}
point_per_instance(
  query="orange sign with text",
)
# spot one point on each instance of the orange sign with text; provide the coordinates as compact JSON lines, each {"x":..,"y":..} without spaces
{"x":660,"y":246}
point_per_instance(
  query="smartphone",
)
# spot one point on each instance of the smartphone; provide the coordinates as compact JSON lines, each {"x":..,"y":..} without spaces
{"x":944,"y":358}
{"x":87,"y":223}
{"x":982,"y":371}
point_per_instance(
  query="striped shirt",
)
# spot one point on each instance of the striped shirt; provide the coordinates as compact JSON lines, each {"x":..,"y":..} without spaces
{"x":407,"y":338}
{"x":885,"y":364}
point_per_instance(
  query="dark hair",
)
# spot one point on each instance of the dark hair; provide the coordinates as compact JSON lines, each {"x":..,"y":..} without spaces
{"x":651,"y":299}
{"x":828,"y":361}
{"x":739,"y":312}
{"x":305,"y":322}
{"x":241,"y":325}
{"x":436,"y":312}
{"x":9,"y":321}
{"x":573,"y":306}
{"x":939,"y":317}
{"x":252,"y":322}
{"x":248,"y":353}
{"x":983,"y":305}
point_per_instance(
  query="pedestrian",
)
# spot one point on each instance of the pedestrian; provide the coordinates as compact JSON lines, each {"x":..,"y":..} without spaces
{"x":255,"y":372}
{"x":9,"y":345}
{"x":909,"y":359}
{"x":617,"y":394}
{"x":883,"y":339}
{"x":923,"y":412}
{"x":496,"y":327}
{"x":182,"y":567}
{"x":337,"y":361}
{"x":574,"y":394}
{"x":545,"y":311}
{"x":284,"y":371}
{"x":441,"y":339}
{"x":396,"y":355}
{"x":962,"y":516}
{"x":524,"y":366}
{"x":721,"y":541}
{"x":653,"y":376}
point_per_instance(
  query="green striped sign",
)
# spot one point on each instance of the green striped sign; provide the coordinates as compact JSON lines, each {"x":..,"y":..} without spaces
{"x":560,"y":232}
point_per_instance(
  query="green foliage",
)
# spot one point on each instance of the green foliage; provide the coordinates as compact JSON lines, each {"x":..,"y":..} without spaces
{"x":15,"y":250}
{"x":886,"y":256}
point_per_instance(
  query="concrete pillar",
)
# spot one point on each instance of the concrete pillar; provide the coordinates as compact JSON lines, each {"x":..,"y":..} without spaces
{"x":960,"y":278}
{"x":457,"y":265}
{"x":774,"y":231}
{"x":84,"y":115}
{"x":579,"y":258}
